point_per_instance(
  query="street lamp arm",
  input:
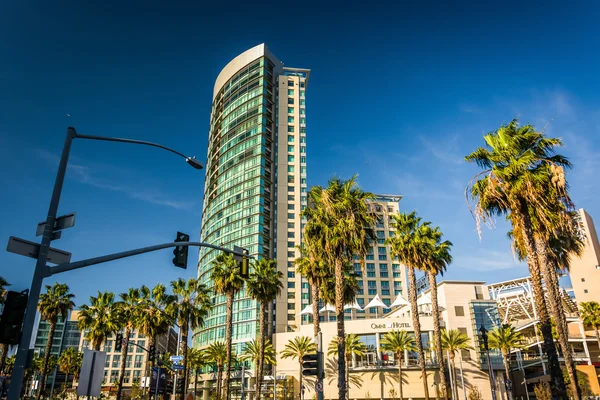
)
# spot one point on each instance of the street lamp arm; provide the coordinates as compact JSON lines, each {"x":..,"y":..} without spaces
{"x":142,"y":142}
{"x":124,"y":254}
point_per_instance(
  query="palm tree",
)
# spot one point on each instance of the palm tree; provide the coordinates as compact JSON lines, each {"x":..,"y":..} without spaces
{"x":338,"y":216}
{"x":196,"y":361}
{"x":398,"y":342}
{"x":3,"y":346}
{"x":251,"y":353}
{"x":505,"y":338}
{"x":130,"y":307}
{"x":354,"y":347}
{"x":69,"y":363}
{"x":311,"y":267}
{"x":454,"y":341}
{"x":590,"y":315}
{"x":519,"y":164}
{"x":54,"y":304}
{"x":264,"y":286}
{"x":411,"y":243}
{"x":100,"y":319}
{"x":216,"y":353}
{"x":190,"y":306}
{"x":154,"y":320}
{"x":297,"y":348}
{"x":437,"y":259}
{"x":9,"y":363}
{"x":227,"y":282}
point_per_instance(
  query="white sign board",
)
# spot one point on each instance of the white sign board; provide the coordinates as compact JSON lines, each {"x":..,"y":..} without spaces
{"x":92,"y":373}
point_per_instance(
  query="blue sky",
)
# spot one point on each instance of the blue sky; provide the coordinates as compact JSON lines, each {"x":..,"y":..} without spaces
{"x":398,"y":94}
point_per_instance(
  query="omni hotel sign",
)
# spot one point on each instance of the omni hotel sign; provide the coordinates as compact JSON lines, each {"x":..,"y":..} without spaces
{"x":391,"y":325}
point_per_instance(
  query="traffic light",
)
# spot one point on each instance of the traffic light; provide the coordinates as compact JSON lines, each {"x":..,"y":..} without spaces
{"x":312,"y":365}
{"x":242,"y":262}
{"x":151,"y":353}
{"x":181,"y":252}
{"x":179,"y":388}
{"x":169,"y":387}
{"x":119,"y":342}
{"x":12,"y":317}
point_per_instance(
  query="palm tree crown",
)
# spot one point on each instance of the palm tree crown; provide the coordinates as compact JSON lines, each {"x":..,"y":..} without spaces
{"x":100,"y":319}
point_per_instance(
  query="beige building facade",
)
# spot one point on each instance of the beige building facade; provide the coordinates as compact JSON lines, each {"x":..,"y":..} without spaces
{"x":465,"y":305}
{"x":585,"y":270}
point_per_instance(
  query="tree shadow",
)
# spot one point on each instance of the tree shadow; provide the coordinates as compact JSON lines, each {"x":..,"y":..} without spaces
{"x":331,"y":371}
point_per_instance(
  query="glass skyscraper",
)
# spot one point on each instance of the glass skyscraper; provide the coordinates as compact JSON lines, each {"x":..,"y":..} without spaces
{"x":255,"y":183}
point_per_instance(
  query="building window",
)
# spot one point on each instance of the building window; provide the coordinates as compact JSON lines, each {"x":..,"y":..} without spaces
{"x":459,"y":311}
{"x":290,"y":110}
{"x":136,"y":376}
{"x":291,"y":215}
{"x":582,"y":279}
{"x":383,"y":274}
{"x":302,"y":149}
{"x":290,"y":148}
{"x":585,"y":290}
{"x":291,"y":254}
{"x":290,"y":188}
{"x":291,"y":285}
{"x":302,"y":92}
{"x":291,"y":225}
{"x":290,"y":206}
{"x":303,"y":120}
{"x":290,"y":168}
{"x":291,"y":245}
{"x":290,"y":83}
{"x":290,"y":138}
{"x":290,"y":119}
{"x":290,"y":158}
{"x":138,"y":361}
{"x":291,"y":274}
{"x":291,"y":100}
{"x":302,"y":84}
{"x":291,"y":317}
{"x":290,"y":92}
{"x":382,"y":257}
{"x":291,"y":235}
{"x":302,"y":111}
{"x":291,"y":295}
{"x":116,"y":361}
{"x":290,"y":306}
{"x":291,"y":128}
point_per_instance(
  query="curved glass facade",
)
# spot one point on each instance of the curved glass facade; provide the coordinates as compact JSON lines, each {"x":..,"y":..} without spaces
{"x":238,"y":191}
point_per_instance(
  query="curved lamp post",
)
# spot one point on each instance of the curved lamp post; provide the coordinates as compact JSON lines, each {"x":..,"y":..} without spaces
{"x":40,"y":267}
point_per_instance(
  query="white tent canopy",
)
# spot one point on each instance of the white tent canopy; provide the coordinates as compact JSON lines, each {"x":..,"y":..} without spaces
{"x":399,"y":302}
{"x":307,"y":310}
{"x":354,"y":306}
{"x":424,"y":300}
{"x":376,"y":302}
{"x":328,"y":307}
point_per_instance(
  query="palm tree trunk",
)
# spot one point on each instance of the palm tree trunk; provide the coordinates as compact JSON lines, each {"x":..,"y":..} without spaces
{"x":124,"y":350}
{"x":219,"y":380}
{"x":46,"y":359}
{"x":507,"y":373}
{"x":597,"y":335}
{"x":261,"y":347}
{"x":436,"y":330}
{"x":556,"y":377}
{"x":228,"y":338}
{"x":453,"y":366}
{"x":4,"y":348}
{"x":184,"y":351}
{"x":414,"y":310}
{"x":348,"y":378}
{"x":315,"y":306}
{"x":341,"y":331}
{"x":300,"y":375}
{"x":549,"y":275}
{"x":399,"y":358}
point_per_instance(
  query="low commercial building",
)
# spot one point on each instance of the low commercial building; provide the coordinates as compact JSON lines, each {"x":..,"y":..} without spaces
{"x":464,"y":306}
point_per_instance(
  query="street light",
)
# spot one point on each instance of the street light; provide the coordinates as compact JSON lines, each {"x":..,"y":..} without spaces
{"x":47,"y":237}
{"x":484,"y":337}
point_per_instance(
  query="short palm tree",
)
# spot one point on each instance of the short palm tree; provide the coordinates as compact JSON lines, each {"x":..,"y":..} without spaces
{"x":100,"y":319}
{"x":196,"y":361}
{"x":590,"y":314}
{"x":454,"y":341}
{"x":69,"y":363}
{"x":251,"y":352}
{"x":227,"y":282}
{"x":190,"y":306}
{"x":154,"y":320}
{"x":216,"y":354}
{"x":398,"y":342}
{"x":339,"y":217}
{"x":3,"y":346}
{"x":264,"y":286}
{"x":130,"y":308}
{"x":505,"y":338}
{"x":54,"y":304}
{"x":411,"y":243}
{"x":9,"y":363}
{"x":297,"y":348}
{"x":354,"y":348}
{"x":520,"y":164}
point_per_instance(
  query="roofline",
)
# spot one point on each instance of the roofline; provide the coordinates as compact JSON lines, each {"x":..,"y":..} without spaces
{"x":510,"y":280}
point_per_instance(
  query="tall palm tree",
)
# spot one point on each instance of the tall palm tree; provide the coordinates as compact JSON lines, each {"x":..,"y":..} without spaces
{"x":69,"y":363}
{"x":3,"y":346}
{"x":197,"y":360}
{"x":54,"y":304}
{"x":227,"y":282}
{"x":398,"y":342}
{"x":216,"y":353}
{"x":505,"y":338}
{"x":264,"y":286}
{"x":311,"y":267}
{"x":411,"y":243}
{"x":590,"y":315}
{"x":154,"y":319}
{"x":354,"y":347}
{"x":190,"y":306}
{"x":517,"y":164}
{"x":130,"y":308}
{"x":251,"y":352}
{"x":297,"y":348}
{"x":437,"y":259}
{"x":100,"y":319}
{"x":340,"y":217}
{"x":454,"y":341}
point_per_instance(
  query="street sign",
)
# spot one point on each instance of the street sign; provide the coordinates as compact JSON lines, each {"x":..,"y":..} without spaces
{"x":319,"y":387}
{"x":31,"y":249}
{"x":176,"y":359}
{"x":158,"y":381}
{"x":60,"y":223}
{"x":178,"y":367}
{"x":92,"y":373}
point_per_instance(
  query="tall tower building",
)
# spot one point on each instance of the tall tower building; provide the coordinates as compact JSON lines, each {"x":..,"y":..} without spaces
{"x":255,"y":183}
{"x":585,"y":270}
